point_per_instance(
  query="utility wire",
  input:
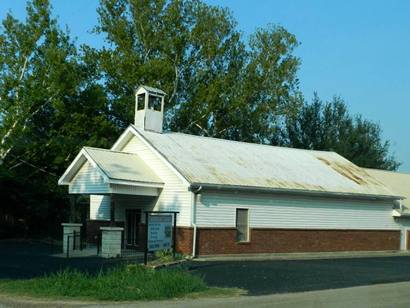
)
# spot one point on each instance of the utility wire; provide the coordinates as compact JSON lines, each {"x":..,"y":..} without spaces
{"x":34,"y":166}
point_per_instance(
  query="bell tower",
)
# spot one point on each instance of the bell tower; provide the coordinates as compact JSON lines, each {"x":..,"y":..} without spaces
{"x":149,"y":108}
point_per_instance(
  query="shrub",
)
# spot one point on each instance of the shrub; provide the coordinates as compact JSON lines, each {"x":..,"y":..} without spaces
{"x":132,"y":282}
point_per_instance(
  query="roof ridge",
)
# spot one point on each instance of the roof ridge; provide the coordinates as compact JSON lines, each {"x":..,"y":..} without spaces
{"x":248,"y":143}
{"x":229,"y":140}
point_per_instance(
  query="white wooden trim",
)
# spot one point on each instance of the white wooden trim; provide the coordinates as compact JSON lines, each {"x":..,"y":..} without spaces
{"x":134,"y":183}
{"x":95,"y":165}
{"x":76,"y":164}
{"x":61,"y":180}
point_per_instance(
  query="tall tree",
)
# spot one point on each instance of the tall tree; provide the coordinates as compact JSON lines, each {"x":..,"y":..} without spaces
{"x":217,"y":84}
{"x":49,"y":107}
{"x":329,"y":126}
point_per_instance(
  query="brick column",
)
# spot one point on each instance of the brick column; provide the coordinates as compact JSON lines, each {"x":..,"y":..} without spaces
{"x":111,"y":242}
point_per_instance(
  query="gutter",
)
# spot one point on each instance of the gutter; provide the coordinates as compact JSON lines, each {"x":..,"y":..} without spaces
{"x":195,"y":192}
{"x":305,"y":192}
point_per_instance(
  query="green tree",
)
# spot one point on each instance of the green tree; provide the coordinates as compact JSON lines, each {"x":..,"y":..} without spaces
{"x":50,"y":106}
{"x":330,"y":126}
{"x":217,"y":84}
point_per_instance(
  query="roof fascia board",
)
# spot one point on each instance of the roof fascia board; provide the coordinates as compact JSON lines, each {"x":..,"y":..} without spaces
{"x":293,"y":191}
{"x":153,"y":149}
{"x":135,"y":183}
{"x":96,"y":166}
{"x":121,"y":141}
{"x":76,"y":165}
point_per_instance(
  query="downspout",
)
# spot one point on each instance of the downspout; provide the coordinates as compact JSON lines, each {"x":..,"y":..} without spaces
{"x":195,"y":192}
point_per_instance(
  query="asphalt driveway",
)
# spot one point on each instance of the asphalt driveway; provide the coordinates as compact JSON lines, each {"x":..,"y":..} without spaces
{"x":30,"y":258}
{"x":27,"y":259}
{"x":270,"y":277}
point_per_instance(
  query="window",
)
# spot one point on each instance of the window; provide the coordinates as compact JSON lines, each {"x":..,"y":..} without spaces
{"x":141,"y":101}
{"x":154,"y":102}
{"x":242,"y":228}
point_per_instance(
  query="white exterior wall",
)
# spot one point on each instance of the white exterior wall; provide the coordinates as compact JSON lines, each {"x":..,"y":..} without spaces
{"x":123,"y":203}
{"x":404,"y":223}
{"x":88,"y":180}
{"x":174,"y":195}
{"x":100,"y":207}
{"x":270,"y":211}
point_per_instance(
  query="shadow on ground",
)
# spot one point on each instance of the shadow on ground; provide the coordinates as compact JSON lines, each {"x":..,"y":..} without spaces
{"x":30,"y":258}
{"x":269,"y":277}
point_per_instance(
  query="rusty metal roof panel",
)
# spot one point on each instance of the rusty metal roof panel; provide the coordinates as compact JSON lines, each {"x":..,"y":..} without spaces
{"x":398,"y":182}
{"x":222,"y":162}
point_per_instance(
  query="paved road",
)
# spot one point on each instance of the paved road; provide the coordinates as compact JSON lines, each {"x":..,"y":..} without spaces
{"x":269,"y":277}
{"x":377,"y":296}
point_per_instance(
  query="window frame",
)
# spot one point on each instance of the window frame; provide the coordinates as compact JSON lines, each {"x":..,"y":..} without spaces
{"x":153,"y":106}
{"x":138,"y":101}
{"x":248,"y":235}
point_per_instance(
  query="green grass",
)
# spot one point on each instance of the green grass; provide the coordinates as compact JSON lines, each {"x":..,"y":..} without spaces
{"x":132,"y":282}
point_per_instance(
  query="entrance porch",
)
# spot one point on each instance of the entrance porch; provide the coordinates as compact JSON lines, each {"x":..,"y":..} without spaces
{"x":120,"y":187}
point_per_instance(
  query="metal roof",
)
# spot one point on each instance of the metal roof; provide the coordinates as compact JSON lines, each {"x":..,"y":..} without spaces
{"x":116,"y":167}
{"x":152,"y":90}
{"x":122,"y":166}
{"x":398,"y":182}
{"x":224,"y":163}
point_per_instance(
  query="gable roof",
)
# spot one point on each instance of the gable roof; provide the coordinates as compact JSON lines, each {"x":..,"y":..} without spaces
{"x":115,"y":167}
{"x":398,"y":182}
{"x":152,"y":90}
{"x":222,"y":163}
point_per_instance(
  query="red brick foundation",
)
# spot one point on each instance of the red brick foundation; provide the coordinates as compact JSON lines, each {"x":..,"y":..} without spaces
{"x":215,"y":241}
{"x":223,"y":241}
{"x":184,"y":240}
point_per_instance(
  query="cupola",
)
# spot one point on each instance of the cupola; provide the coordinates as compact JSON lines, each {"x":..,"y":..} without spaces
{"x":149,"y":108}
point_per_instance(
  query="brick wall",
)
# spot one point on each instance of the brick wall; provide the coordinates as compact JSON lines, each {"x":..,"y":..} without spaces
{"x":184,"y":240}
{"x":223,"y":241}
{"x":213,"y":241}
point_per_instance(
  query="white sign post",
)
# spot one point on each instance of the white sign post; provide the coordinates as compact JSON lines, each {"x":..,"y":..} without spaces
{"x":159,"y":232}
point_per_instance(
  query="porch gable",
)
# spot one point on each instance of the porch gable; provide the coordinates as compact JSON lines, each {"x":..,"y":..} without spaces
{"x":99,"y":171}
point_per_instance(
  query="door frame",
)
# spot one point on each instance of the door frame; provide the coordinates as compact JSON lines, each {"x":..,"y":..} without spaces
{"x":137,"y":213}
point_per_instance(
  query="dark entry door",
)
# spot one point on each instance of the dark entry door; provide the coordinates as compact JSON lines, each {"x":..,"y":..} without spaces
{"x":132,"y":221}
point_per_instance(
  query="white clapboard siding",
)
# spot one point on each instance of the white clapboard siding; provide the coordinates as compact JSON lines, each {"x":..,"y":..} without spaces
{"x":175,"y":195}
{"x":270,"y":211}
{"x":88,"y":180}
{"x":100,"y":207}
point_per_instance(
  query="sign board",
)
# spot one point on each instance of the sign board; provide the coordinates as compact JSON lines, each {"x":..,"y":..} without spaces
{"x":159,"y":232}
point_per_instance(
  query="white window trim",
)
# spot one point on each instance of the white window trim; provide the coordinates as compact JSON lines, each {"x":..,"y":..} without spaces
{"x":248,"y":233}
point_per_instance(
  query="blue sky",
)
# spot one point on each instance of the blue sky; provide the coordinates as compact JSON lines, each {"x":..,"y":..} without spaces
{"x":359,"y":50}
